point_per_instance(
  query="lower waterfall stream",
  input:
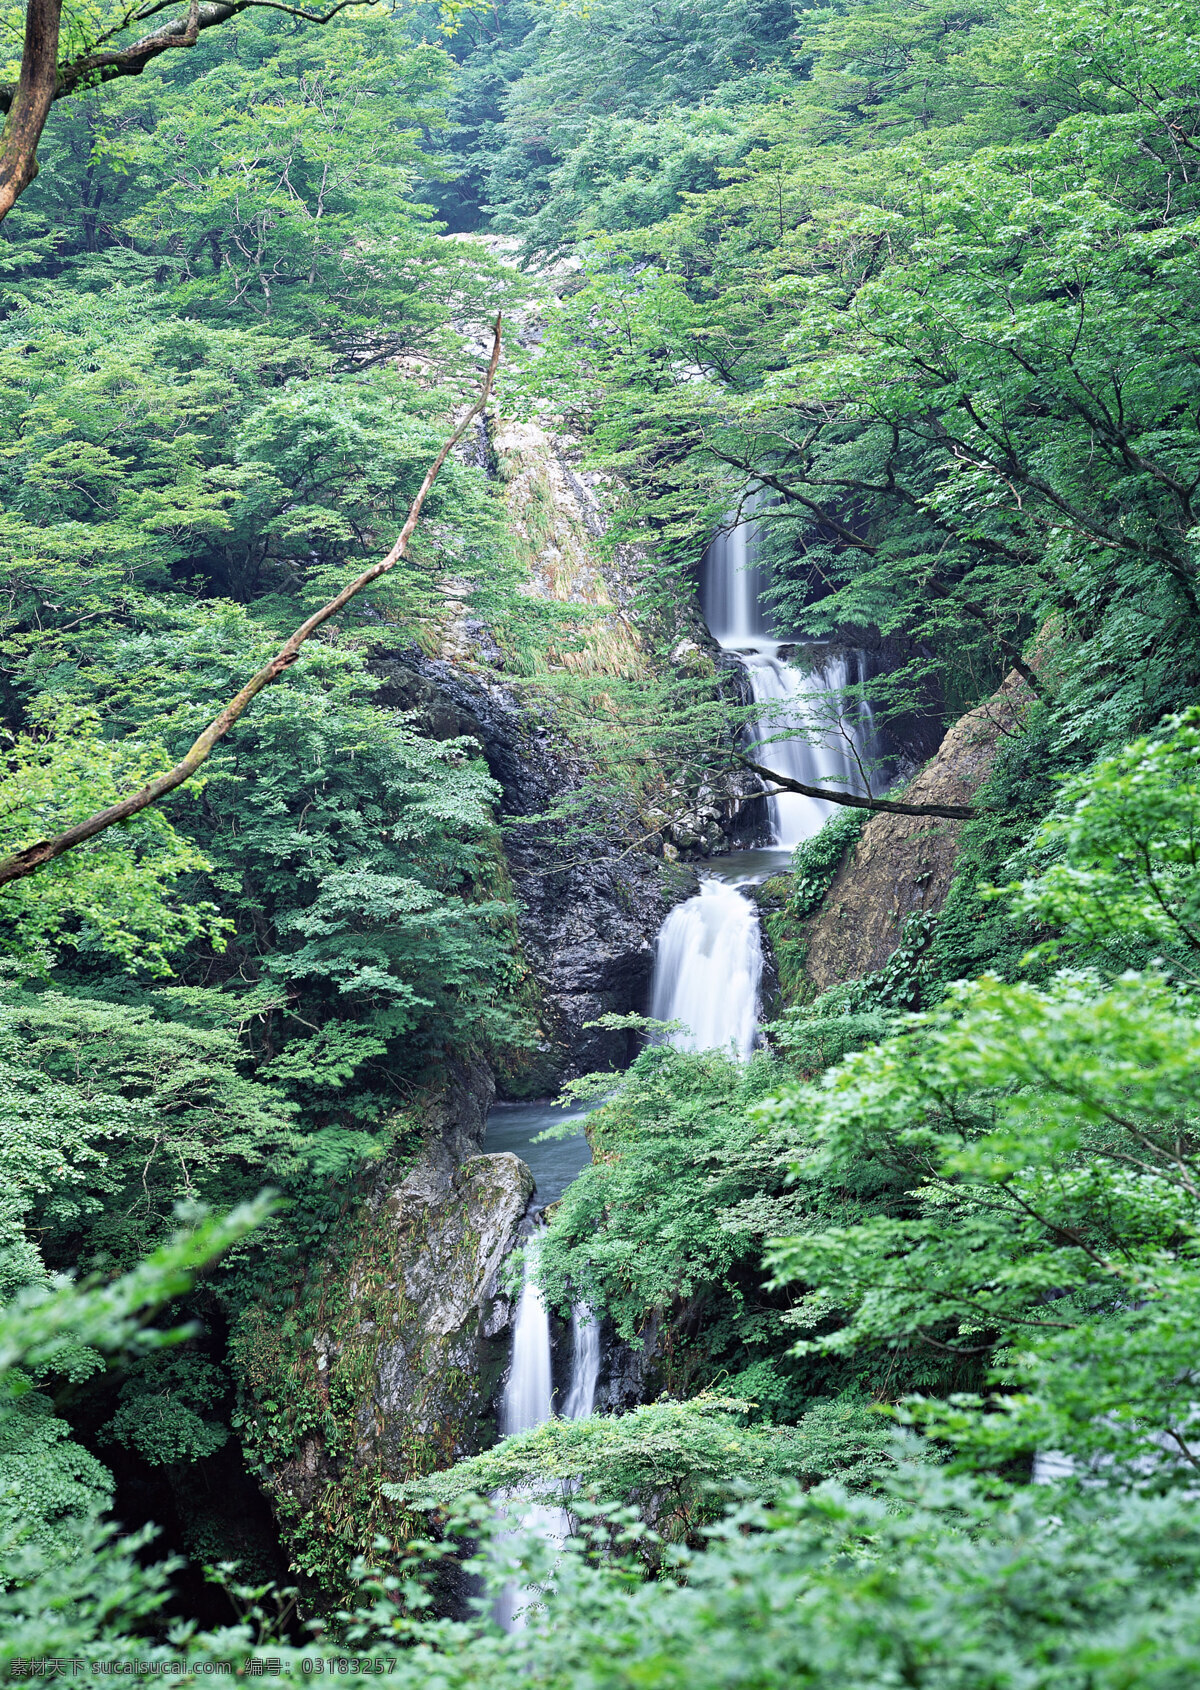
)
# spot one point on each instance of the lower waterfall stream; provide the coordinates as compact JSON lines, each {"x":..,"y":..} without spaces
{"x":528,"y":1399}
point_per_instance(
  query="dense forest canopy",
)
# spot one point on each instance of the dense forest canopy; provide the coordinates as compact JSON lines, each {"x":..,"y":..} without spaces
{"x":915,"y":286}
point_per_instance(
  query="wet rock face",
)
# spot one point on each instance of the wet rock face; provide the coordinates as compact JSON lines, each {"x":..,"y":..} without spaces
{"x":589,"y":906}
{"x":438,"y":1368}
{"x":402,"y":1375}
{"x":629,"y":1375}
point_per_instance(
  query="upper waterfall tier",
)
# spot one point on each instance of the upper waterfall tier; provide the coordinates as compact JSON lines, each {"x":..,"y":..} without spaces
{"x":732,"y":584}
{"x":807,"y":728}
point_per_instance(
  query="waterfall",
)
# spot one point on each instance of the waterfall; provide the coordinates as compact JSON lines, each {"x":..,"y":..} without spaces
{"x":528,"y":1399}
{"x":585,"y":1363}
{"x":707,"y":969}
{"x":732,"y":583}
{"x":528,"y":1402}
{"x":830,"y":739}
{"x":529,"y":1392}
{"x":834,"y":743}
{"x":708,"y":959}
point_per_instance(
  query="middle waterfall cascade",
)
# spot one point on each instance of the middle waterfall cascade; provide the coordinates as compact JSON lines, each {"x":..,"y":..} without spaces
{"x":836,"y":738}
{"x":707,"y":970}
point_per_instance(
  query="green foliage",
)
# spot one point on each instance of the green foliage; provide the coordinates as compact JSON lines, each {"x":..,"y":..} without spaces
{"x":1040,"y":1131}
{"x":69,"y":1586}
{"x":939,"y":1579}
{"x":118,"y":895}
{"x":151,"y":450}
{"x":162,"y":1408}
{"x":347,"y":855}
{"x":650,"y":1219}
{"x":815,"y":1036}
{"x":927,"y":276}
{"x":897,"y":315}
{"x":585,"y":115}
{"x":679,"y":1464}
{"x":664,"y":1232}
{"x":49,"y":1485}
{"x":816,"y":861}
{"x":1124,"y":837}
{"x":948,"y":1588}
{"x":114,"y":1113}
{"x":266,"y":175}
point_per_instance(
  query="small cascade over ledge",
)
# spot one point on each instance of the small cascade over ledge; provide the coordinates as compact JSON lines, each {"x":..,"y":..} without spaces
{"x":528,"y":1402}
{"x":529,"y":1390}
{"x":585,"y":1363}
{"x":707,"y":971}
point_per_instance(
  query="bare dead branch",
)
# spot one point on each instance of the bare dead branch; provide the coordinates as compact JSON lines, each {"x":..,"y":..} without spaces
{"x":889,"y":806}
{"x":27,"y":861}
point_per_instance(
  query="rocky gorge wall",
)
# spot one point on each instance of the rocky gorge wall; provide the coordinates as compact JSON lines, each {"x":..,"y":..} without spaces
{"x":385,"y":1359}
{"x":903,"y":866}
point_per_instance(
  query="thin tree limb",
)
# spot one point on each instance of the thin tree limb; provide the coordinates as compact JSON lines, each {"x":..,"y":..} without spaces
{"x":42,"y":80}
{"x":889,"y":806}
{"x":33,"y":857}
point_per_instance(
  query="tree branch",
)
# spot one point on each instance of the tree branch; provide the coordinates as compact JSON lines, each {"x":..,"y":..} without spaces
{"x":33,"y":857}
{"x":43,"y":80}
{"x":889,"y":806}
{"x":29,"y":106}
{"x":98,"y":67}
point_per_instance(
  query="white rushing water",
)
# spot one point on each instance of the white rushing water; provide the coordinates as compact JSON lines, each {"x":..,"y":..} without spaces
{"x":808,"y":728}
{"x":708,"y":960}
{"x":528,"y":1402}
{"x":585,"y":1363}
{"x":824,"y":738}
{"x":732,"y":583}
{"x":529,"y":1392}
{"x":707,"y":970}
